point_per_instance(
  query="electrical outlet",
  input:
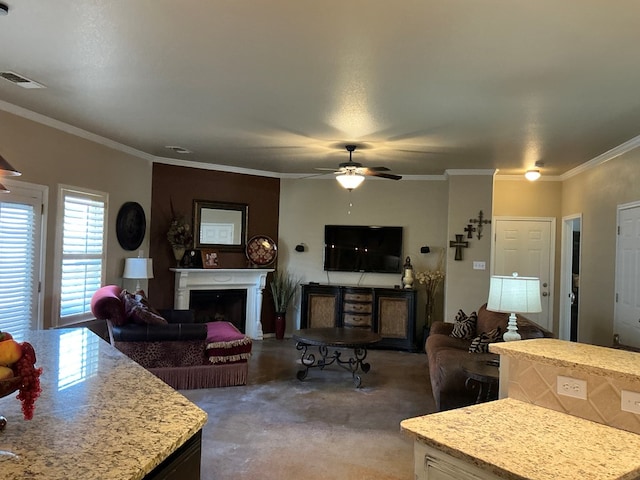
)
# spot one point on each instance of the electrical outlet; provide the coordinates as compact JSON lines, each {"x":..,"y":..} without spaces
{"x":479,"y":265}
{"x":572,"y":387}
{"x":630,"y":401}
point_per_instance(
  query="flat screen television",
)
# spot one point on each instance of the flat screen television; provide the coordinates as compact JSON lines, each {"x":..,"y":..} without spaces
{"x":357,"y":248}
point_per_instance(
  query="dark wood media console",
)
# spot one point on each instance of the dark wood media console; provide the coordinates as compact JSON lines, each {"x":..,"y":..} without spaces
{"x":389,"y":312}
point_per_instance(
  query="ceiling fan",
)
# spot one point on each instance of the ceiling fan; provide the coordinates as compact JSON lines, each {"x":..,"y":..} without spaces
{"x":351,"y":174}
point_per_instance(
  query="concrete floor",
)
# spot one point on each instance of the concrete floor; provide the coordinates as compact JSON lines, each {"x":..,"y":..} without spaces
{"x":277,"y":427}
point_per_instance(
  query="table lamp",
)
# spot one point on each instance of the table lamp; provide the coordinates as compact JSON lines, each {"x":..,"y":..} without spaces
{"x":138,"y":269}
{"x":514,"y":294}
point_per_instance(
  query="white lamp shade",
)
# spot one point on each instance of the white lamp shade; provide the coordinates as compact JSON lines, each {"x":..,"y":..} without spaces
{"x":350,"y":180}
{"x":138,"y":268}
{"x":514,"y":294}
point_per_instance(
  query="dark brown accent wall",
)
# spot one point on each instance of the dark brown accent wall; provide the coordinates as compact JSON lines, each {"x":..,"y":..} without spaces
{"x":181,"y":186}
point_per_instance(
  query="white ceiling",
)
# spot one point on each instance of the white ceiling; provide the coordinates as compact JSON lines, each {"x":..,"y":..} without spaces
{"x":281,"y":86}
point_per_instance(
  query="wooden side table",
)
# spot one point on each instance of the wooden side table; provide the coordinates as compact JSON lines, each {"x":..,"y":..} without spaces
{"x":483,"y":374}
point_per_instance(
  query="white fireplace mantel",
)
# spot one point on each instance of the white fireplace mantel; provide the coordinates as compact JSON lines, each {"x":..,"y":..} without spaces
{"x":251,"y":279}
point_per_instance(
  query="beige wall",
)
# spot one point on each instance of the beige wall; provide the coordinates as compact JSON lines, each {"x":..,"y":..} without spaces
{"x":307,"y":205}
{"x":596,"y":194}
{"x":47,"y":156}
{"x":466,"y":288}
{"x":522,"y":198}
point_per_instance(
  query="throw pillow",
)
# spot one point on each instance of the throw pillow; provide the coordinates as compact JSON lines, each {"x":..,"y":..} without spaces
{"x":480,"y":344}
{"x":464,"y":326}
{"x":138,"y":310}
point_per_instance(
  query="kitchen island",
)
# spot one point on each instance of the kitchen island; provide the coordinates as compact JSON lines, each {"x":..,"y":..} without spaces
{"x":100,"y":416}
{"x":510,"y":439}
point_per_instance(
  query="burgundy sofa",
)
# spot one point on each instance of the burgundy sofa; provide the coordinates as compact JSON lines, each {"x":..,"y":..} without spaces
{"x":171,"y":346}
{"x":447,"y":354}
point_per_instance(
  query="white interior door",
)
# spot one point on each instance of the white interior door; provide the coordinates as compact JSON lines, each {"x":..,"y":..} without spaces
{"x":526,"y":246}
{"x":627,"y":311}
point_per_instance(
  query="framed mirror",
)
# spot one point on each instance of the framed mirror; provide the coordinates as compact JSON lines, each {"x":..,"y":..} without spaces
{"x":219,"y":225}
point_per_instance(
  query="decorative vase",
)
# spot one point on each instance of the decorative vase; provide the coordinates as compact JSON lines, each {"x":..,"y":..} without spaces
{"x":428,"y":311}
{"x":178,"y":253}
{"x":281,"y":324}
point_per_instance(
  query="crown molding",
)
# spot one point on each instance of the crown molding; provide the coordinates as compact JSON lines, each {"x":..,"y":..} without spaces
{"x":78,"y":132}
{"x":470,"y":171}
{"x":70,"y":129}
{"x":603,"y":158}
{"x":543,"y":178}
{"x":216,"y":167}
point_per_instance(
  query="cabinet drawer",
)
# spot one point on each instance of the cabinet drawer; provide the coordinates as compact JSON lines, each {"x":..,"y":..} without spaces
{"x":358,"y":297}
{"x":357,"y":307}
{"x":350,"y":320}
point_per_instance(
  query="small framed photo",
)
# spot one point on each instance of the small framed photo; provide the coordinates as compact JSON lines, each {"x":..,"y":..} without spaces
{"x":209,"y":258}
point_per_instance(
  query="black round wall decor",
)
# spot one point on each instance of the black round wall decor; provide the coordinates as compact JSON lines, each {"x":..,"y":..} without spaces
{"x":131,"y":224}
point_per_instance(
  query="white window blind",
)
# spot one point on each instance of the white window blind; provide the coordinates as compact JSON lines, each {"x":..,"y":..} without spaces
{"x":83,"y":253}
{"x":17,"y":250}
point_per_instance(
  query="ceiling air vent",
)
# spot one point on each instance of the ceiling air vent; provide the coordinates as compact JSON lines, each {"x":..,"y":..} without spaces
{"x":177,"y":149}
{"x":21,"y":81}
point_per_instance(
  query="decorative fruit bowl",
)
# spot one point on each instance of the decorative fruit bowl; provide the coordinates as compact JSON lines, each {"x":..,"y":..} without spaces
{"x":9,"y":385}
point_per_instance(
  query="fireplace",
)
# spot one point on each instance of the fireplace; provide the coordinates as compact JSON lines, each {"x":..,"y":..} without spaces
{"x":220,"y":305}
{"x":249,"y":280}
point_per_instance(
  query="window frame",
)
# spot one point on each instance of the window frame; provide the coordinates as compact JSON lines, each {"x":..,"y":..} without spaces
{"x":96,"y":195}
{"x":36,"y":195}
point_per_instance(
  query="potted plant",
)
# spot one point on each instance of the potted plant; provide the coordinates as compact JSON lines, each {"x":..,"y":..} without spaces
{"x":179,"y":235}
{"x":283,"y":288}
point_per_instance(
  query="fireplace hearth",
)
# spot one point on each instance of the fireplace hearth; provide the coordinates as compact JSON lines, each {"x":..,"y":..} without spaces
{"x":220,"y":305}
{"x":250,"y":280}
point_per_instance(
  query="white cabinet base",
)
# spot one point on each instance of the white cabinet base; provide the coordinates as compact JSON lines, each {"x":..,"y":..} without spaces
{"x":432,"y":464}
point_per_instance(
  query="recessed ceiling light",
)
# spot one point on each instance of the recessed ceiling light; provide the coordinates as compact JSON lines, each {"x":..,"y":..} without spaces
{"x":178,"y":149}
{"x":4,"y":10}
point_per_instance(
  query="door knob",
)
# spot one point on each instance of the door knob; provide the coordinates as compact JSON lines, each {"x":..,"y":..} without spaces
{"x":544,"y":294}
{"x":544,"y":284}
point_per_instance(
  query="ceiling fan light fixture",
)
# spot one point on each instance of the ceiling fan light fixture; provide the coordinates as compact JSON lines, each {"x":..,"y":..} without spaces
{"x":532,"y":175}
{"x":350,"y":180}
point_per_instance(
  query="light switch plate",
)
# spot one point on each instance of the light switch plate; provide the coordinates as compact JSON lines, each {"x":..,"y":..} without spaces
{"x":479,"y":265}
{"x":572,"y":387}
{"x":630,"y":401}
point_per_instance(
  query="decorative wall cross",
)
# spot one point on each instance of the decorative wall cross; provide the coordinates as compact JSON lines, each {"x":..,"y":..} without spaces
{"x":470,"y":229}
{"x":458,"y":244}
{"x":480,"y":221}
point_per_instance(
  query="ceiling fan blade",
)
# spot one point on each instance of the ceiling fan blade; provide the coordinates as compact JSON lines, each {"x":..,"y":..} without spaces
{"x":390,"y":176}
{"x":377,"y":169}
{"x":325,"y":169}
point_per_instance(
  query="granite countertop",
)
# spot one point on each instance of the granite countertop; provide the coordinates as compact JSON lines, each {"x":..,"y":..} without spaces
{"x":520,"y":441}
{"x":601,"y":361}
{"x":100,"y":416}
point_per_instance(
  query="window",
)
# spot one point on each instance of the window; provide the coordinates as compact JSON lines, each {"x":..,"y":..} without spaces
{"x":21,"y":213}
{"x":81,"y":250}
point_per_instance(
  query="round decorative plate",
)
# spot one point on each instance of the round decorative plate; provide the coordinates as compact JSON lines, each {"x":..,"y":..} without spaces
{"x":131,"y":224}
{"x":261,"y":250}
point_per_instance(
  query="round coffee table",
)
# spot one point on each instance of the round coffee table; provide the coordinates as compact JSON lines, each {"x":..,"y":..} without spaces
{"x":324,"y":338}
{"x":483,"y":374}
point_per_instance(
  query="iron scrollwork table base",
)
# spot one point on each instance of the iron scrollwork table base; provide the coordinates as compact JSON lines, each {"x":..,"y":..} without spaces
{"x":328,"y":341}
